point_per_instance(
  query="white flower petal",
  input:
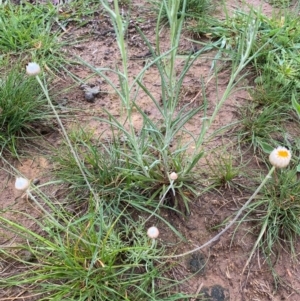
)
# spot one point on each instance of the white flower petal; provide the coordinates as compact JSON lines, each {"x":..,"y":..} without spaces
{"x":33,"y":69}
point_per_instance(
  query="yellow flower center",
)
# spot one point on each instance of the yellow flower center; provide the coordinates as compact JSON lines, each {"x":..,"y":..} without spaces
{"x":283,"y":153}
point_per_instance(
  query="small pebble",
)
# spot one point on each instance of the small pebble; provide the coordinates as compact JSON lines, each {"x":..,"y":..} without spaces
{"x":36,"y":181}
{"x":88,"y":96}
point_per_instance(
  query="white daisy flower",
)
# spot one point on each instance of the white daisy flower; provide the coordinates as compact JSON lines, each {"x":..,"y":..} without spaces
{"x":22,"y":184}
{"x":33,"y":69}
{"x":153,"y":232}
{"x":280,"y":157}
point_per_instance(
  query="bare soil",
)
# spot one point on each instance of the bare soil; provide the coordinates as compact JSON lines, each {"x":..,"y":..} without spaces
{"x":215,"y":271}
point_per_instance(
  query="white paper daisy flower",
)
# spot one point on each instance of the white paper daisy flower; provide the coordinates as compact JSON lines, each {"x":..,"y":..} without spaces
{"x":280,"y":157}
{"x":153,"y":232}
{"x":33,"y":69}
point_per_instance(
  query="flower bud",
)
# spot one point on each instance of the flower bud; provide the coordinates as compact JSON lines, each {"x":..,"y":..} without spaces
{"x":22,"y":184}
{"x":173,"y":176}
{"x":153,"y":232}
{"x":33,"y":69}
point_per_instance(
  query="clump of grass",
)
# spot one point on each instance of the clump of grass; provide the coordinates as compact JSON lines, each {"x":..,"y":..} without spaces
{"x":23,"y":108}
{"x":33,"y":32}
{"x":276,"y":64}
{"x":267,"y":92}
{"x":276,"y":213}
{"x":149,"y":152}
{"x":191,"y":8}
{"x":223,"y":32}
{"x":280,"y":3}
{"x":89,"y":257}
{"x":79,"y":12}
{"x":115,"y":175}
{"x":223,"y":171}
{"x":107,"y":171}
{"x":262,"y":125}
{"x":279,"y":59}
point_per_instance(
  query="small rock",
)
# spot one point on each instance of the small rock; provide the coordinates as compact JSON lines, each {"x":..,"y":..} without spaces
{"x":90,"y":92}
{"x":213,"y":293}
{"x":197,"y":263}
{"x":89,"y":96}
{"x":217,"y":293}
{"x":36,"y":181}
{"x":93,"y":90}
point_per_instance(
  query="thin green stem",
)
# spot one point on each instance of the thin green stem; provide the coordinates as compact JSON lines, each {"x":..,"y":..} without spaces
{"x":75,"y":155}
{"x":244,"y":61}
{"x":171,"y":186}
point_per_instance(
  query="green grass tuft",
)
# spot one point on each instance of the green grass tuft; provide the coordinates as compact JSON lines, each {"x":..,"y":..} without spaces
{"x":23,"y":108}
{"x":32,"y":32}
{"x":276,"y":213}
{"x":89,"y":257}
{"x":194,"y":9}
{"x":222,"y":169}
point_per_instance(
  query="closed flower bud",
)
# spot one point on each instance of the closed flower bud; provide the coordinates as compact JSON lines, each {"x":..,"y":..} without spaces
{"x":33,"y":69}
{"x":153,"y":232}
{"x":22,"y":184}
{"x":173,"y":176}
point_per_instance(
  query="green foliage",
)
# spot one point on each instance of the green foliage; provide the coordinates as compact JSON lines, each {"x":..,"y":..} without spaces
{"x":277,"y":212}
{"x":193,"y":8}
{"x":92,"y":257}
{"x":33,"y":32}
{"x":276,"y":68}
{"x":267,"y":92}
{"x":113,"y":171}
{"x":296,"y":105}
{"x":24,"y":27}
{"x":102,"y":253}
{"x":23,"y":108}
{"x":263,"y":124}
{"x":280,"y":3}
{"x":100,"y":161}
{"x":223,"y":171}
{"x":277,"y":61}
{"x":156,"y":150}
{"x":224,"y":32}
{"x":110,"y":174}
{"x":80,"y":12}
{"x":124,"y":2}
